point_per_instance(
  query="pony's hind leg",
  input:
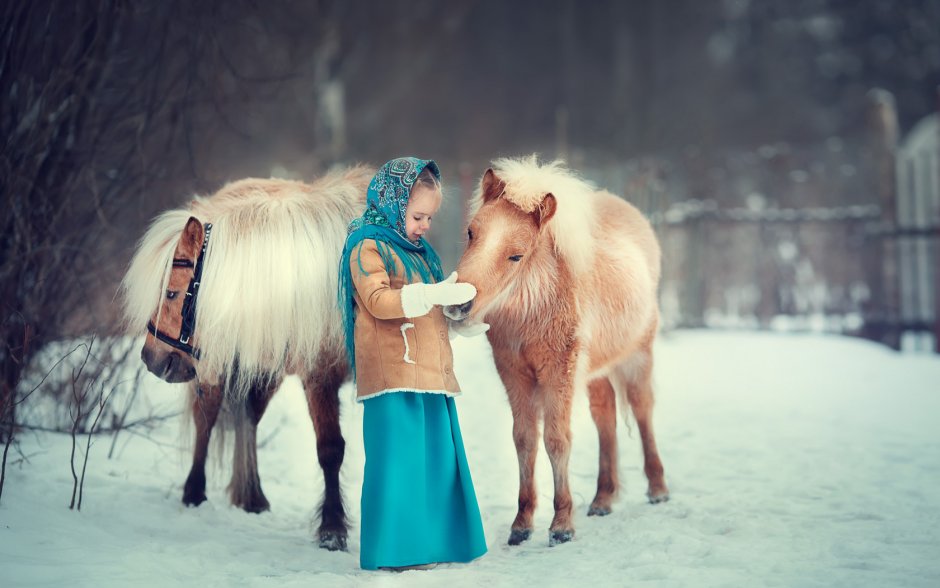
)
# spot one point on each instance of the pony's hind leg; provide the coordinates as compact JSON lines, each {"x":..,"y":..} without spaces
{"x":206,"y":400}
{"x":604,"y":413}
{"x":322,"y":389}
{"x":245,"y":487}
{"x":639,"y":390}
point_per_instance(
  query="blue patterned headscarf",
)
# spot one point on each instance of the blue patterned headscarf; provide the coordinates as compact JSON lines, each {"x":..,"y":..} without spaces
{"x":384,"y":221}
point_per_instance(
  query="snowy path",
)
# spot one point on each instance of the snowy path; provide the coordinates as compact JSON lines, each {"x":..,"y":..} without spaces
{"x":792,"y":461}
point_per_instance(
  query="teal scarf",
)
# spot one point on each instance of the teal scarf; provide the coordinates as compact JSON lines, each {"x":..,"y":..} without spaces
{"x":384,"y":221}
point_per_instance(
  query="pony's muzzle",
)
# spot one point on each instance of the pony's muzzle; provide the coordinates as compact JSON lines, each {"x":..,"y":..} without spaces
{"x":170,"y":367}
{"x":458,"y":312}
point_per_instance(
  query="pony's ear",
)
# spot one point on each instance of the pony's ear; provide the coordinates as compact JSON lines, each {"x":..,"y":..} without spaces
{"x":190,"y":241}
{"x":546,"y":210}
{"x":492,"y":186}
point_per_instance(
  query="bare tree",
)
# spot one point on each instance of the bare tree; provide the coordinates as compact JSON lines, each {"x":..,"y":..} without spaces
{"x":83,"y":389}
{"x":69,"y":101}
{"x":113,"y":110}
{"x":104,"y":102}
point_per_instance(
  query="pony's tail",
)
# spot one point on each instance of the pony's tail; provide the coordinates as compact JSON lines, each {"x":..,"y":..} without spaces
{"x":623,"y":407}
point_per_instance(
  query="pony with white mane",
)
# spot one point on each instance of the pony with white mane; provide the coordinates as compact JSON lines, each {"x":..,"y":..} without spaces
{"x":566,"y":276}
{"x":237,"y":291}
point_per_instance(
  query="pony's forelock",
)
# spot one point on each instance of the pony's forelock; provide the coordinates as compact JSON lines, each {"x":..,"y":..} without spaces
{"x":528,"y":181}
{"x":149,"y":271}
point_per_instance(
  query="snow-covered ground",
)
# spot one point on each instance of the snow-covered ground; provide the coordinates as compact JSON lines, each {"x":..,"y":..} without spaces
{"x":792,"y":460}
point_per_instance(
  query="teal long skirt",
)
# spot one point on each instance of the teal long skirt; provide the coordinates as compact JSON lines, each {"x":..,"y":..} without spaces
{"x":418,"y":503}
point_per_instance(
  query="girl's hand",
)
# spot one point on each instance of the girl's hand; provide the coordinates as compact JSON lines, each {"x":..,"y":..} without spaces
{"x":419,"y":299}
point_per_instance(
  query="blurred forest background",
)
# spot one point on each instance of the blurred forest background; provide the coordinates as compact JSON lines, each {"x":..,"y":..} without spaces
{"x":766,"y":140}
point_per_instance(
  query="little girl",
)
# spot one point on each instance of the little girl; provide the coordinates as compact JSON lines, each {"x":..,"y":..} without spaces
{"x":418,"y":503}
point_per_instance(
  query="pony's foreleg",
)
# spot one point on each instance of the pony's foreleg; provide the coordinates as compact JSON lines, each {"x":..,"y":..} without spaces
{"x":640,"y":397}
{"x":604,"y":412}
{"x":557,"y":437}
{"x":245,"y":487}
{"x":206,"y":401}
{"x":520,"y":387}
{"x":322,"y":388}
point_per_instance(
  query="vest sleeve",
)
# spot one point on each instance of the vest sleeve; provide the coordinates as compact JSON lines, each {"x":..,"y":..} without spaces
{"x":373,"y":286}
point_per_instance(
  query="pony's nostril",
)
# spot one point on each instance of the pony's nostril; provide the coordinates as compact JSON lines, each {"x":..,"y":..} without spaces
{"x":171,"y":362}
{"x":458,"y":312}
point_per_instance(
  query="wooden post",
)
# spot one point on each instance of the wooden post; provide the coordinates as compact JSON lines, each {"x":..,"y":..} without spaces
{"x":694,"y":287}
{"x":768,"y":279}
{"x":935,"y":265}
{"x":883,"y":313}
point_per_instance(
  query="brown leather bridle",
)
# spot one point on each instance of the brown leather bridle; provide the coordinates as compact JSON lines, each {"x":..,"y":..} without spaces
{"x":189,"y":304}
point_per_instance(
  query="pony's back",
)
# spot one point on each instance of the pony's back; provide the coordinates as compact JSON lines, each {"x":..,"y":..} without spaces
{"x":618,"y":295}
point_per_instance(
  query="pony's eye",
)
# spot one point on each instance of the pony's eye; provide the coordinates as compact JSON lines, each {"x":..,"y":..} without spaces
{"x":469,"y":234}
{"x":515,"y":257}
{"x":171,"y":294}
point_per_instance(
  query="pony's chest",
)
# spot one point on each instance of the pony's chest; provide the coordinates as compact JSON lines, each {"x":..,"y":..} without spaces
{"x":531,"y":342}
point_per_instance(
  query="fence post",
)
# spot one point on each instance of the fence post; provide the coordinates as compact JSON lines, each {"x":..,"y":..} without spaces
{"x":936,"y":249}
{"x":883,"y":313}
{"x":694,"y":288}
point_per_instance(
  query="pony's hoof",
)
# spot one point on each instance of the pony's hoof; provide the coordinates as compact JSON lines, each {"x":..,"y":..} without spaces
{"x":194,"y":490}
{"x":599,"y":511}
{"x":256,"y":505}
{"x":193,"y":499}
{"x":517,"y":536}
{"x":556,"y":537}
{"x":658,"y":497}
{"x":333,"y":541}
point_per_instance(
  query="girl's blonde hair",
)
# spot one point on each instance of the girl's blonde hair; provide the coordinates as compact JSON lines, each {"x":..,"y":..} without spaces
{"x":427,"y":179}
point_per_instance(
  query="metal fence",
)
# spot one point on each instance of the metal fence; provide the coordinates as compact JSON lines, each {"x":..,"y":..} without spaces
{"x":917,"y":236}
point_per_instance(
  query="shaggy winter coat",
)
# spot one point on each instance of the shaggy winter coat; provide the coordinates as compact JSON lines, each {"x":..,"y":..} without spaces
{"x":395,"y":353}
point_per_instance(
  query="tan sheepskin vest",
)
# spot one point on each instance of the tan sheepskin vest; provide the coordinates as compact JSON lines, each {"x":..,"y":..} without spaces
{"x":395,"y":353}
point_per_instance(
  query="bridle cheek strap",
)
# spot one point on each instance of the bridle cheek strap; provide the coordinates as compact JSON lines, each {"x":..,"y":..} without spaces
{"x":189,"y":303}
{"x":189,"y":307}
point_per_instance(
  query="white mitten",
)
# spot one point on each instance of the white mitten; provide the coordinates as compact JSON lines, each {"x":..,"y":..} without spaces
{"x":419,"y":299}
{"x":466,"y":328}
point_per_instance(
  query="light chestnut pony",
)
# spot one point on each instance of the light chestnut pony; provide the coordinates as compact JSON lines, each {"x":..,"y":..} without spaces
{"x":566,"y":276}
{"x":265,"y":308}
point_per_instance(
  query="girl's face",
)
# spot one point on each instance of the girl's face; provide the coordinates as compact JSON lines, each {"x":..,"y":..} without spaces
{"x":422,"y":205}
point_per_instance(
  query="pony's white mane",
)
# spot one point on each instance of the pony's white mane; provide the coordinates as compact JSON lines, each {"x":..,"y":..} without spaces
{"x":528,"y":181}
{"x":269,"y":283}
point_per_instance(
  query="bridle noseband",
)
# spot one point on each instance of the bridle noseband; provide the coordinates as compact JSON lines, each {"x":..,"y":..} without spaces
{"x":189,"y":304}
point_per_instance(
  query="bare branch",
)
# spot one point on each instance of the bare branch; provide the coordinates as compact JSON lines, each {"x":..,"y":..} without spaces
{"x":78,"y":397}
{"x":147,"y":422}
{"x":102,"y":401}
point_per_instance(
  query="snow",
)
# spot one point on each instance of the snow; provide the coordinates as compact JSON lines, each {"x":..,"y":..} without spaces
{"x":793,"y":460}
